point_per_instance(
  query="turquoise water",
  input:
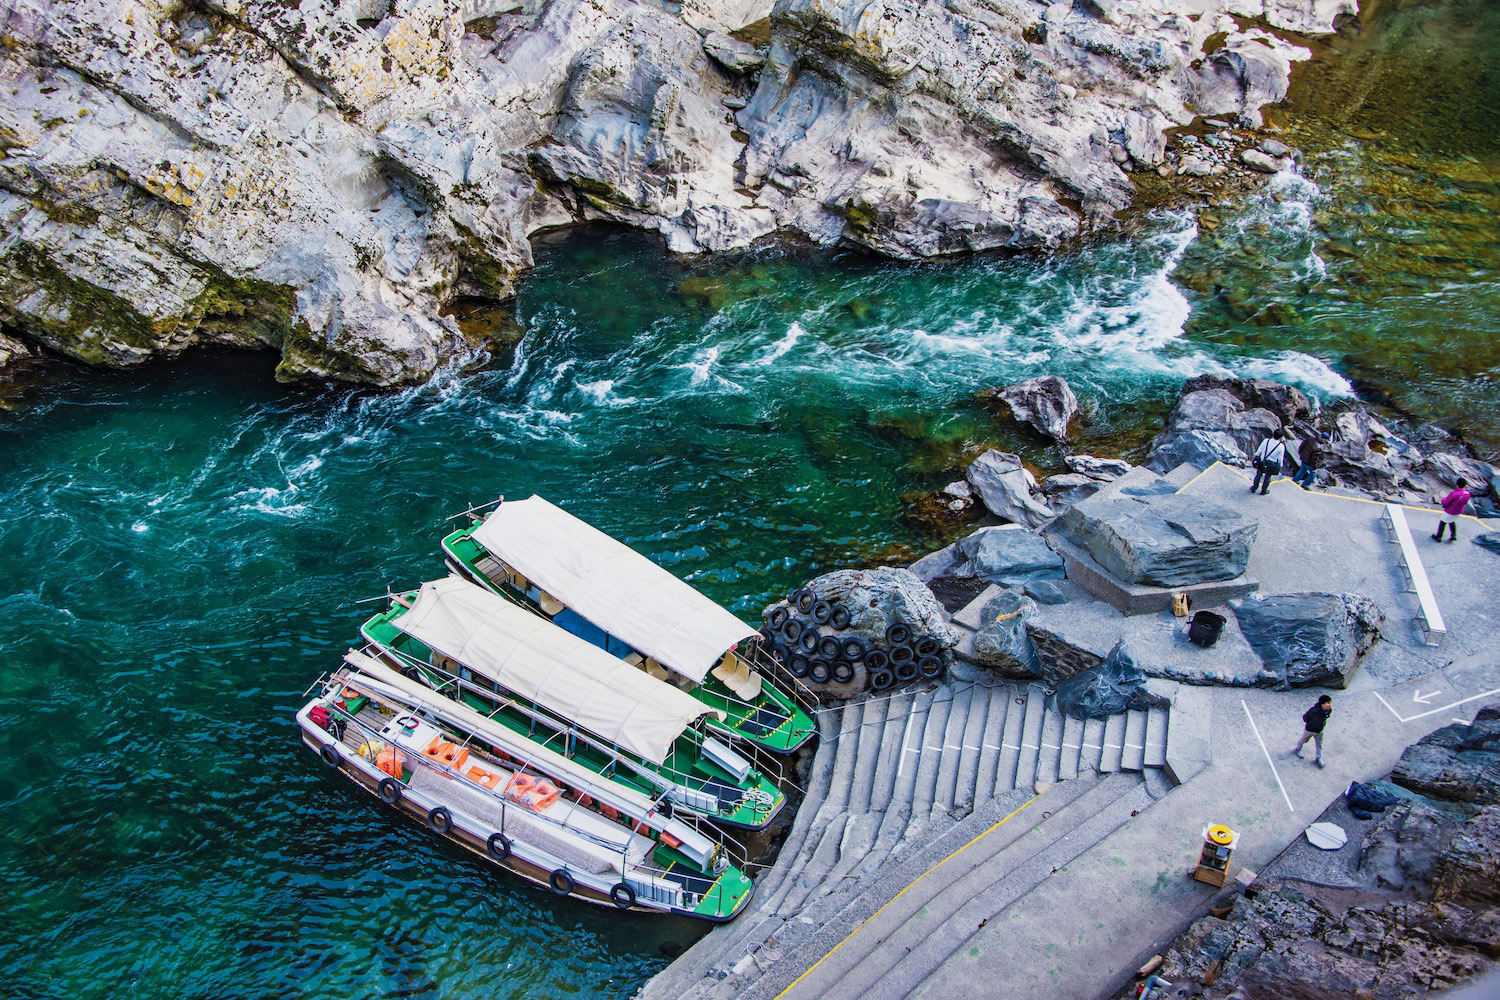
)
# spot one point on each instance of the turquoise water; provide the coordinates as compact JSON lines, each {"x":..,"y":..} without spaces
{"x":183,"y":544}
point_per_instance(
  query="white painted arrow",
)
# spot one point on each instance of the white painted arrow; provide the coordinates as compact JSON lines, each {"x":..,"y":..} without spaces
{"x":1422,"y":699}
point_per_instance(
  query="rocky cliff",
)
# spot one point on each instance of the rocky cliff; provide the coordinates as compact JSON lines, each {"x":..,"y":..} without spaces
{"x":327,"y":179}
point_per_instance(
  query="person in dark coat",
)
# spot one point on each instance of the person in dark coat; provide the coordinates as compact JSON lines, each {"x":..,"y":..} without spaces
{"x":1310,"y":454}
{"x":1313,"y":721}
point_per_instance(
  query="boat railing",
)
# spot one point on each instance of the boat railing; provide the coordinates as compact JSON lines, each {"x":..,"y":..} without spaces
{"x":372,"y":736}
{"x":796,"y":690}
{"x":662,"y":776}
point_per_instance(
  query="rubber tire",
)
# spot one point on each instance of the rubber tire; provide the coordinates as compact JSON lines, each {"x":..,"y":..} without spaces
{"x":778,"y":617}
{"x":906,"y":671}
{"x":439,"y":820}
{"x":930,"y":667}
{"x":803,"y":600}
{"x":818,"y":672}
{"x":791,"y":630}
{"x":898,"y":634}
{"x":821,"y":612}
{"x":498,"y":846}
{"x":901,"y":654}
{"x":882,"y":680}
{"x":853,"y":648}
{"x":778,"y":653}
{"x":625,"y":902}
{"x":329,"y":754}
{"x":877,"y":659}
{"x":389,"y":790}
{"x":561,"y":883}
{"x":808,"y":641}
{"x":842,"y":671}
{"x":830,"y":648}
{"x":797,"y":666}
{"x":927,"y":646}
{"x":840,"y":618}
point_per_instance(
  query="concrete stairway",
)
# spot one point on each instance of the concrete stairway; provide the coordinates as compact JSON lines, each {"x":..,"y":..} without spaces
{"x":898,"y":784}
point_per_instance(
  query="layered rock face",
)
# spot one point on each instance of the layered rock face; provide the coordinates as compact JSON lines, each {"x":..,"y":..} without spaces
{"x":327,"y":179}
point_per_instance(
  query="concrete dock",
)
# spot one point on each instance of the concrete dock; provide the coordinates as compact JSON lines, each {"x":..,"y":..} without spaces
{"x":966,"y":838}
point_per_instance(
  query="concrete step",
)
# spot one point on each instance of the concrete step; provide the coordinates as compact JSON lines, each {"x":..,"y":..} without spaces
{"x":915,"y":932}
{"x":1114,"y":742}
{"x":945,"y":789}
{"x":1156,"y":737}
{"x":989,"y":748}
{"x":1133,"y":757}
{"x":1010,"y":740}
{"x":928,"y":759}
{"x":898,"y":710}
{"x":1072,"y":740}
{"x":1093,"y":743}
{"x":1051,"y":744}
{"x":968,"y":615}
{"x":965,"y":779}
{"x":910,"y":738}
{"x":867,"y":753}
{"x":1031,"y":736}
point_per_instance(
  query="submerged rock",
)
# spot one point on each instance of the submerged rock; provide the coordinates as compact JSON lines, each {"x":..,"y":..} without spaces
{"x":1310,"y":638}
{"x":1163,"y":541}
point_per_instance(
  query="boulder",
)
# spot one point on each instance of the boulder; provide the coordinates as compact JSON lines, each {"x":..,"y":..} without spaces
{"x":1044,"y":592}
{"x":1194,"y":165}
{"x":1264,"y":162}
{"x":1001,"y":643}
{"x":1105,"y":470}
{"x":1468,"y":872}
{"x":1449,"y":467}
{"x":1162,"y":541}
{"x":1112,"y":687}
{"x":1007,"y":555}
{"x":1068,"y":489}
{"x":1046,"y":404}
{"x":1210,"y":425}
{"x":1311,"y":638}
{"x":878,"y":598}
{"x":1008,"y":490}
{"x":1456,"y":762}
{"x":1287,"y":402}
{"x":734,"y":55}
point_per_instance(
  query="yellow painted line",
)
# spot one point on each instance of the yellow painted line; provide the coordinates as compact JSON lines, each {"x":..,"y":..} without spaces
{"x":977,"y":838}
{"x":1329,"y":496}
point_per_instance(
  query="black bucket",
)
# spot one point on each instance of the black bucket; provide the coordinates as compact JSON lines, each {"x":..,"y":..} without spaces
{"x":1205,"y":628}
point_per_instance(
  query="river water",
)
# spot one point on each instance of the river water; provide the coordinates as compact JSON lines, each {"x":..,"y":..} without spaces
{"x":183,"y":544}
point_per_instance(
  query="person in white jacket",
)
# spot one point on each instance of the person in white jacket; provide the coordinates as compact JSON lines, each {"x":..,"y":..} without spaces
{"x":1268,"y":459}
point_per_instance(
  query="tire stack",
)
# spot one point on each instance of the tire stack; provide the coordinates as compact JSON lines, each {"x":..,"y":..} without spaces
{"x":811,"y":638}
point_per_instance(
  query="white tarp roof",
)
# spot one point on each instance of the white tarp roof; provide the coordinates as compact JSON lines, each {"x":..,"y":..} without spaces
{"x":480,"y":725}
{"x":612,"y":585}
{"x":537,"y":660}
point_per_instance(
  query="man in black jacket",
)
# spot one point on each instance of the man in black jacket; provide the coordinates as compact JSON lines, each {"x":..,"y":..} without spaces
{"x":1313,"y":721}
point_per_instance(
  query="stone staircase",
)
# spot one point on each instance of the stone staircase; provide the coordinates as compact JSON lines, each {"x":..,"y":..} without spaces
{"x":899,"y":784}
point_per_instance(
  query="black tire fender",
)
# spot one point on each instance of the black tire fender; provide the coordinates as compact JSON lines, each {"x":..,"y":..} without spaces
{"x":898,"y":634}
{"x":498,"y":846}
{"x":791,"y":630}
{"x":389,"y":790}
{"x":842,"y":671}
{"x":777,"y":618}
{"x":797,"y":666}
{"x":930,"y":666}
{"x":840,"y":618}
{"x":439,"y":819}
{"x":329,"y":754}
{"x":808,"y":641}
{"x":561,"y":882}
{"x":821,"y":612}
{"x":882,"y":679}
{"x":877,"y":659}
{"x":853,"y":648}
{"x":803,"y":600}
{"x":622,"y":895}
{"x":818,"y":672}
{"x":830,"y":648}
{"x":927,"y":646}
{"x":906,"y":671}
{"x":900,"y":655}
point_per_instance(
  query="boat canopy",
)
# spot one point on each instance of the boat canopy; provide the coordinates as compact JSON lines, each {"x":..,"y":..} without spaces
{"x":612,"y":585}
{"x":537,"y":660}
{"x":552,"y":762}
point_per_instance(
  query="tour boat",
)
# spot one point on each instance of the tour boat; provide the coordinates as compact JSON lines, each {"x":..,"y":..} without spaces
{"x":522,"y":806}
{"x":600,"y":589}
{"x":569,"y":695}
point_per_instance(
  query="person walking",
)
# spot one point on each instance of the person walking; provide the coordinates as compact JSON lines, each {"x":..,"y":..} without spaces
{"x":1310,"y":455}
{"x":1268,"y":459}
{"x":1313,"y":721}
{"x":1453,"y":507}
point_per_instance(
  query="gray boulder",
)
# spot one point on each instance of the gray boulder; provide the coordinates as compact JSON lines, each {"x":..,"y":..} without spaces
{"x":1068,"y":489}
{"x":1264,"y":162}
{"x":1311,"y":638}
{"x":1008,"y":555}
{"x":1002,"y":643}
{"x":1112,"y":687}
{"x":1046,"y":404}
{"x":878,"y":598}
{"x":1163,"y":541}
{"x":1103,"y":469}
{"x":1287,"y":402}
{"x":1456,"y":762}
{"x":1210,"y":425}
{"x":1044,"y":592}
{"x":734,"y":55}
{"x":1008,"y":490}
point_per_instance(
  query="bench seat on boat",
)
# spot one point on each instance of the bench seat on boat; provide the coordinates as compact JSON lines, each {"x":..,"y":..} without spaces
{"x":738,"y":677}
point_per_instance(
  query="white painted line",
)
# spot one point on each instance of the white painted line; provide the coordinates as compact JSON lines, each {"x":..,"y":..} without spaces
{"x":1461,"y":722}
{"x":1274,"y":773}
{"x":1440,"y":708}
{"x":905,"y":740}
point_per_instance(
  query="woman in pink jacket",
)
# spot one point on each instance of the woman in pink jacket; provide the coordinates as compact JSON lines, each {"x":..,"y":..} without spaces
{"x":1453,"y":506}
